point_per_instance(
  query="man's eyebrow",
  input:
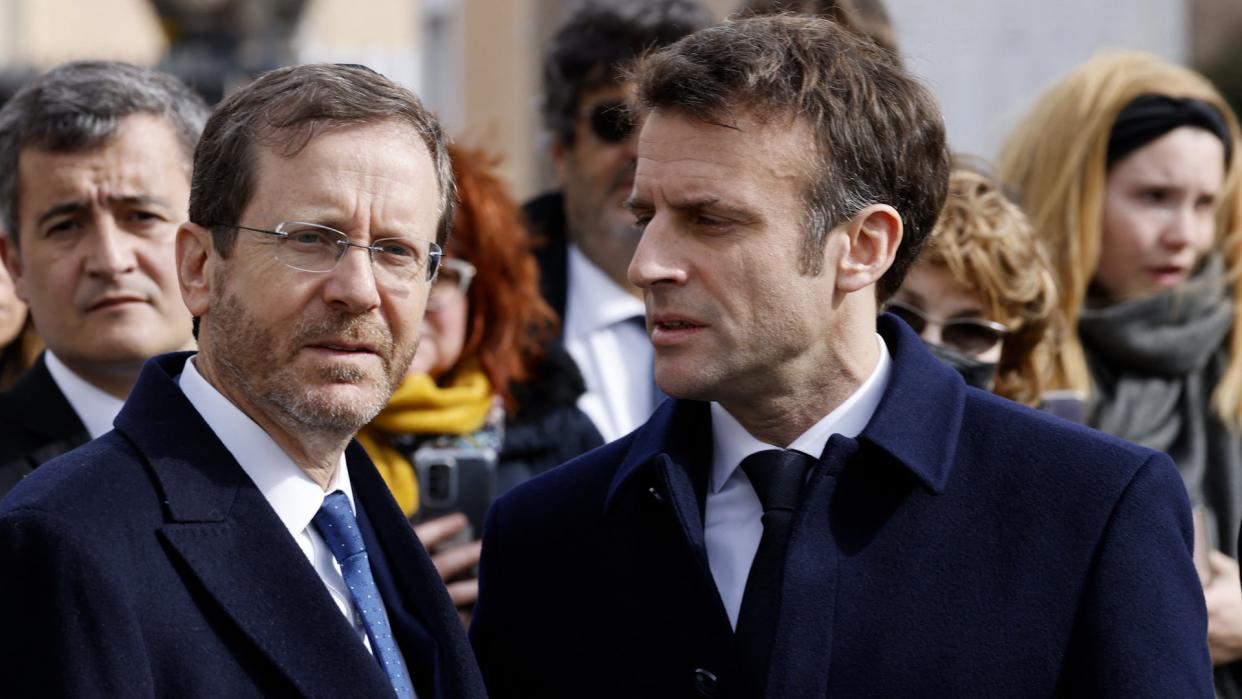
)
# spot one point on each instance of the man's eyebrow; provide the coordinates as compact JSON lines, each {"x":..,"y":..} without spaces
{"x":139,"y":200}
{"x":73,"y":207}
{"x":68,"y":207}
{"x":635,"y":204}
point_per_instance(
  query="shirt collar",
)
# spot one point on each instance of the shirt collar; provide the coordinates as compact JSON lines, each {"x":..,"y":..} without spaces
{"x":731,"y":443}
{"x":596,"y":301}
{"x":286,"y":487}
{"x":95,"y":407}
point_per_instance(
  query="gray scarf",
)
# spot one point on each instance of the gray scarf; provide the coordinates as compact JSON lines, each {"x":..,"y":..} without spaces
{"x":1154,"y":363}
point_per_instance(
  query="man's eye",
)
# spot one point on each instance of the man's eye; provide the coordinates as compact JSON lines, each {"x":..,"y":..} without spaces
{"x":640,"y":222}
{"x":309,"y":238}
{"x":65,"y":226}
{"x":397,"y":248}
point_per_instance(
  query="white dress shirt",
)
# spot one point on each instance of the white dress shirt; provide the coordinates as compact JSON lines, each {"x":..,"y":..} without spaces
{"x":733,"y":515}
{"x":291,"y":493}
{"x":613,"y":354}
{"x":97,"y":409}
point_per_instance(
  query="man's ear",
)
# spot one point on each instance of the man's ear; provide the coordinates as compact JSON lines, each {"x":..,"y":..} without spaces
{"x":872,"y":238}
{"x":194,"y":267}
{"x":11,"y":257}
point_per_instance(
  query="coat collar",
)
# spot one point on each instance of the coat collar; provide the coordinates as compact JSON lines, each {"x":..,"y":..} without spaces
{"x":916,"y":423}
{"x":42,"y":408}
{"x":217,"y":523}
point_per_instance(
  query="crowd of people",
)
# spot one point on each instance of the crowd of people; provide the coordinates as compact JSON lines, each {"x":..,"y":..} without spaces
{"x":773,"y":395}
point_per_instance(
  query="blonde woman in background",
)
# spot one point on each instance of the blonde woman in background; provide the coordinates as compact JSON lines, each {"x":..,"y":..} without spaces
{"x":982,"y":295}
{"x":1127,"y":169}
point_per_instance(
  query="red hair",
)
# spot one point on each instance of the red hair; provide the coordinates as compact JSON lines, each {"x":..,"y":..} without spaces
{"x":509,"y":323}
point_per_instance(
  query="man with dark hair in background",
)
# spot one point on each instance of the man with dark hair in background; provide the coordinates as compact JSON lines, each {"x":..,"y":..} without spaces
{"x":823,"y":508}
{"x":94,"y":180}
{"x":587,"y":235}
{"x":229,"y":538}
{"x":867,"y":18}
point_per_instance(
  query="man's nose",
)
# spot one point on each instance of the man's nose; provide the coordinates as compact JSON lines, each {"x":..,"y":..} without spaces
{"x":111,"y":251}
{"x":352,"y":282}
{"x":655,"y":259}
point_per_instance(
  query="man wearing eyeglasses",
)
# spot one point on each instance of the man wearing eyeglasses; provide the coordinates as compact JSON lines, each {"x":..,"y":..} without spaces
{"x":821,"y":508}
{"x":94,"y":180}
{"x":585,"y":237}
{"x":229,"y":538}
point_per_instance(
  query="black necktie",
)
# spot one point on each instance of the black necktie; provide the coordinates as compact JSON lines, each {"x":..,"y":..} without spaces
{"x":778,"y":476}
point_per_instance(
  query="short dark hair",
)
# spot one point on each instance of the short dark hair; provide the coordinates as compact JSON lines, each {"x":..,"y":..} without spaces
{"x":593,"y":48}
{"x":78,"y":107}
{"x":868,"y":18}
{"x":284,"y":109}
{"x":879,"y":135}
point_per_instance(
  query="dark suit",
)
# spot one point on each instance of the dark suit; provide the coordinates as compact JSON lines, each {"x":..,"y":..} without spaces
{"x":961,"y":546}
{"x":546,"y":216}
{"x":147,"y":563}
{"x":37,"y":424}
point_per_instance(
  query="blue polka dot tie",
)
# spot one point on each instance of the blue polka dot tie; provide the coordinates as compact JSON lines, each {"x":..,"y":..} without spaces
{"x":336,"y":524}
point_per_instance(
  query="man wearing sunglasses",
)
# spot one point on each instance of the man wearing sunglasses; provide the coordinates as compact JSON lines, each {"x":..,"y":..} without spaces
{"x":821,"y":508}
{"x":585,"y":236}
{"x":228,"y":538}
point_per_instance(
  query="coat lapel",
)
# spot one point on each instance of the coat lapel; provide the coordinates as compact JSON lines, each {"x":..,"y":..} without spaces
{"x":661,"y":484}
{"x":422,"y":607}
{"x":37,"y":403}
{"x":232,"y":545}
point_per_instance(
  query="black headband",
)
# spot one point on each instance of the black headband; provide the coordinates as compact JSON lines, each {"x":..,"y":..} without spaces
{"x":1149,"y":117}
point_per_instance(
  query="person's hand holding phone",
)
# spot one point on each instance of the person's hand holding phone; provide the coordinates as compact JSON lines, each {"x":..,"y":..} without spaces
{"x":455,"y":564}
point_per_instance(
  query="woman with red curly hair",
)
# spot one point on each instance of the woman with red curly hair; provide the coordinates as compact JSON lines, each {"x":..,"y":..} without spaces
{"x":490,"y":400}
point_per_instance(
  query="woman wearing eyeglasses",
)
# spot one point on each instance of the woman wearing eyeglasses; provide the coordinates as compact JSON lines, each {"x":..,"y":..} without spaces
{"x":982,"y":297}
{"x":489,"y":401}
{"x":1128,"y":169}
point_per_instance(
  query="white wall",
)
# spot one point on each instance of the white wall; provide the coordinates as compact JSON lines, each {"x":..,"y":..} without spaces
{"x":987,"y":60}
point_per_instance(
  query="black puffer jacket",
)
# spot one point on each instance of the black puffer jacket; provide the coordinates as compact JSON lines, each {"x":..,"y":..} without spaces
{"x":548,"y":428}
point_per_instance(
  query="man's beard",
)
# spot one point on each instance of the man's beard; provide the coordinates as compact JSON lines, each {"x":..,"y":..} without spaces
{"x":251,"y":357}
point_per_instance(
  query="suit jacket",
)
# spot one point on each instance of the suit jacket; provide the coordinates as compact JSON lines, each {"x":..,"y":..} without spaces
{"x":962,"y":545}
{"x":147,"y":563}
{"x":546,"y":216}
{"x":37,"y":424}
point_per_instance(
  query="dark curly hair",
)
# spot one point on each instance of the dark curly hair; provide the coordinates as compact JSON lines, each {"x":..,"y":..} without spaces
{"x":594,"y":46}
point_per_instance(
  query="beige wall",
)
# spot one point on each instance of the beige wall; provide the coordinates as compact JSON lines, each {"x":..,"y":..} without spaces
{"x":497,"y":48}
{"x":42,"y":33}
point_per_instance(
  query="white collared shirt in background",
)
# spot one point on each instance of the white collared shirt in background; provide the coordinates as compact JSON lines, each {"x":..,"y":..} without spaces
{"x":96,"y":408}
{"x":613,"y":354}
{"x":733,"y":515}
{"x":291,"y":493}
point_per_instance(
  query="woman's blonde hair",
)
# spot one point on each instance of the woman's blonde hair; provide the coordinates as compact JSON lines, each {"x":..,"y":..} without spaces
{"x":985,"y":241}
{"x":1056,"y":160}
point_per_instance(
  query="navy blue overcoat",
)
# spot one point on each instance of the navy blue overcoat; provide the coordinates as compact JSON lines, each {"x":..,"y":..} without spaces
{"x":961,"y":546}
{"x":147,"y":563}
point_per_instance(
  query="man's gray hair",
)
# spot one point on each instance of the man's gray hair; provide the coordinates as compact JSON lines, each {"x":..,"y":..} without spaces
{"x":78,"y":107}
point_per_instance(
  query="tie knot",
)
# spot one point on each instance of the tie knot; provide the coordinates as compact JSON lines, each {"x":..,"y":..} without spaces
{"x":778,"y":476}
{"x":338,"y":527}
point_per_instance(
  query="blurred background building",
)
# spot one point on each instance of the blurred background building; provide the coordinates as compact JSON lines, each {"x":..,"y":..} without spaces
{"x":477,"y":62}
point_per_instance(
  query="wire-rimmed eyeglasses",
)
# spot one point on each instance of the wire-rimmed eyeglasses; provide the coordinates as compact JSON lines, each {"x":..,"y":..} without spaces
{"x":310,"y":247}
{"x":968,"y":335}
{"x":452,"y":281}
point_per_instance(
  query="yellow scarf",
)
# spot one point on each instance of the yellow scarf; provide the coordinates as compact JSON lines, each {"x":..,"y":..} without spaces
{"x":419,"y":406}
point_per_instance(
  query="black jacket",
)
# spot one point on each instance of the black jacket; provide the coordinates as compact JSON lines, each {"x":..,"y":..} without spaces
{"x":37,"y":424}
{"x":545,"y":215}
